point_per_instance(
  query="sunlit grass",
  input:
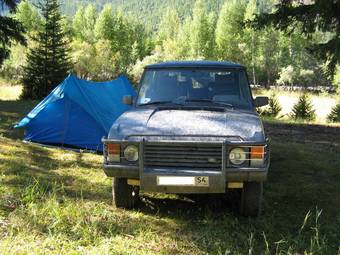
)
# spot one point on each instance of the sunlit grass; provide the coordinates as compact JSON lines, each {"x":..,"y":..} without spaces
{"x":58,"y":202}
{"x":322,"y":103}
{"x":9,"y":91}
{"x":54,"y":201}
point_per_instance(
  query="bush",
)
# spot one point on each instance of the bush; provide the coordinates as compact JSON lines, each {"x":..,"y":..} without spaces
{"x":334,"y":116}
{"x":286,"y":76}
{"x":136,"y":70}
{"x":303,"y":109}
{"x":273,"y":108}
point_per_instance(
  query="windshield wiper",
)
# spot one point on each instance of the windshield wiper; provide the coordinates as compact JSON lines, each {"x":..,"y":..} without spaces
{"x":209,"y":101}
{"x":155,"y":103}
{"x":182,"y":102}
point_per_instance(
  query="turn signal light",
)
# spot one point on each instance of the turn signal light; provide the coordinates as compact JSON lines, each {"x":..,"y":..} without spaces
{"x":113,"y":152}
{"x":257,"y":156}
{"x":257,"y":152}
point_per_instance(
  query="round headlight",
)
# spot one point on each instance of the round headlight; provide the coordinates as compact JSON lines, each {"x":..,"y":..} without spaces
{"x":237,"y":156}
{"x":131,"y":153}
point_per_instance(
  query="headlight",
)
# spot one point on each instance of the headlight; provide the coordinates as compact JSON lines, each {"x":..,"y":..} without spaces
{"x":131,"y":153}
{"x":237,"y":156}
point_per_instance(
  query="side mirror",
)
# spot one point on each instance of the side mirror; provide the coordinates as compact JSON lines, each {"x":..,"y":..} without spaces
{"x":261,"y":101}
{"x":128,"y":100}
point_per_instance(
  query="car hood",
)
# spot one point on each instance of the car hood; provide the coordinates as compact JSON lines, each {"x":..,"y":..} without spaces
{"x":244,"y":125}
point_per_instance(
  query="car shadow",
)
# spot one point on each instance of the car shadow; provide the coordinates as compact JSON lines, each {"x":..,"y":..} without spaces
{"x":191,"y":206}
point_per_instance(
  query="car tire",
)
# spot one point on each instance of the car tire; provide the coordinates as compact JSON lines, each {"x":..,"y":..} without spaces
{"x":124,"y":195}
{"x":251,"y":199}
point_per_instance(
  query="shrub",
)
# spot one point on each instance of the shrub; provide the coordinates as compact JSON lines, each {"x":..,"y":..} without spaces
{"x":273,"y":108}
{"x":286,"y":75}
{"x":303,"y":109}
{"x":334,"y":115}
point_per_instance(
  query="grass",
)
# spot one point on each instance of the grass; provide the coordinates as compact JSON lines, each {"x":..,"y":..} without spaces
{"x":9,"y":92}
{"x":54,"y":201}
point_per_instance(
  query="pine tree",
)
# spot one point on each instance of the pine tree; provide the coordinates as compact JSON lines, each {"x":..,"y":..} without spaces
{"x":48,"y":62}
{"x":334,"y":115}
{"x":274,"y":108}
{"x":303,"y":109}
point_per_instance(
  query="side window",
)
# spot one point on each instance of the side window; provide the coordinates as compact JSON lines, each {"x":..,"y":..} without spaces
{"x":244,"y":87}
{"x":144,"y":92}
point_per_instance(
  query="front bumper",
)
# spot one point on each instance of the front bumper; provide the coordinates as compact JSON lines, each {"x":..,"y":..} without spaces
{"x":217,"y":179}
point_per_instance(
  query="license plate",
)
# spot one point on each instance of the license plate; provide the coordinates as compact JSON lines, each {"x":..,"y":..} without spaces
{"x":200,"y":181}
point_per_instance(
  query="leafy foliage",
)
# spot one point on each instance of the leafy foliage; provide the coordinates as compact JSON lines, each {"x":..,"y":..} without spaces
{"x":177,"y":30}
{"x":48,"y":61}
{"x":29,"y":17}
{"x":286,"y":76}
{"x":169,"y":26}
{"x":10,"y":30}
{"x":92,"y":61}
{"x":12,"y":68}
{"x":84,"y":23}
{"x":309,"y":18}
{"x":148,"y":12}
{"x":334,"y":115}
{"x":202,"y":37}
{"x":229,"y":31}
{"x":303,"y":109}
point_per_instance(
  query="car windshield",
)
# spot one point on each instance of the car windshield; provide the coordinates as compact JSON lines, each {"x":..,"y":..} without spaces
{"x":224,"y":87}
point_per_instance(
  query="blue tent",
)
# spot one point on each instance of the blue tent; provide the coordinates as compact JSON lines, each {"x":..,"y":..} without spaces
{"x":77,"y":113}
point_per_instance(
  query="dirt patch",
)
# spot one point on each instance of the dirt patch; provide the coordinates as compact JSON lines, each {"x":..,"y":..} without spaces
{"x":303,"y":133}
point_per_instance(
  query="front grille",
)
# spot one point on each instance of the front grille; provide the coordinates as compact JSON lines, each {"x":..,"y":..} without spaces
{"x":183,"y":156}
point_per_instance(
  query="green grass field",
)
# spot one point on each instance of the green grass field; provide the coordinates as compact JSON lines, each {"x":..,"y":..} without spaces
{"x":54,"y":201}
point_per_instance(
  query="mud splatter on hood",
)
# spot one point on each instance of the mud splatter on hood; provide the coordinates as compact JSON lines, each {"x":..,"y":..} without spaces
{"x":164,"y":122}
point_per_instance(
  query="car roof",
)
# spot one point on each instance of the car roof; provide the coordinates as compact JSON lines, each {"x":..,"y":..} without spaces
{"x":194,"y":64}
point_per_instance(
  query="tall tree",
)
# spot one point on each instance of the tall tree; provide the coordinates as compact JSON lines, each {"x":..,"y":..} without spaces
{"x":182,"y":44}
{"x":10,"y":29}
{"x":202,"y":37}
{"x":169,"y":26}
{"x":105,"y":23}
{"x":128,"y":37}
{"x":309,"y":17}
{"x":29,"y":17}
{"x":251,"y":38}
{"x":78,"y":23}
{"x":12,"y":68}
{"x":229,"y":31}
{"x":48,"y":63}
{"x":269,"y":51}
{"x":168,"y":34}
{"x":84,"y":23}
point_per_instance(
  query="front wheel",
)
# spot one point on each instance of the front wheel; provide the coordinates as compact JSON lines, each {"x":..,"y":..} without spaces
{"x":124,"y":195}
{"x":251,"y":198}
